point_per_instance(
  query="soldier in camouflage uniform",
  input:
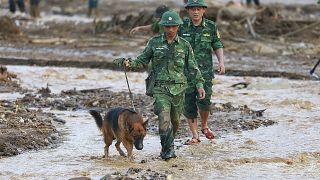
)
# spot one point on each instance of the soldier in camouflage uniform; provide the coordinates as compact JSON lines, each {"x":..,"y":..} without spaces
{"x":172,"y":60}
{"x":204,"y":38}
{"x":154,"y":27}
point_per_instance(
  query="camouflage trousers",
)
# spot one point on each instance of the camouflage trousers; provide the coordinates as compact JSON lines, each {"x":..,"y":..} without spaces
{"x":168,"y":108}
{"x":192,"y":103}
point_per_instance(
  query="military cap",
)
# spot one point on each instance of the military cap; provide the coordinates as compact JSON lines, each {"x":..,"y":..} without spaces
{"x":196,"y":3}
{"x":160,"y":10}
{"x":170,"y":18}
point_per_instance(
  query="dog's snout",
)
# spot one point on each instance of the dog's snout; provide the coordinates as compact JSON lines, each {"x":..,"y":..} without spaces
{"x":138,"y":143}
{"x":140,"y":147}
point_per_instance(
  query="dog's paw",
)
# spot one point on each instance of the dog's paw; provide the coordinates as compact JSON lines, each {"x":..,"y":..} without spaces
{"x":130,"y":158}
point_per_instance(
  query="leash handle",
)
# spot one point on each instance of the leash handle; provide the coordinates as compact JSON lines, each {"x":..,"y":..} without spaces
{"x":314,"y":68}
{"x":130,"y":93}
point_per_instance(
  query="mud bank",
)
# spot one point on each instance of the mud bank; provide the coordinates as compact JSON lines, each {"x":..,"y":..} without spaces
{"x":23,"y":129}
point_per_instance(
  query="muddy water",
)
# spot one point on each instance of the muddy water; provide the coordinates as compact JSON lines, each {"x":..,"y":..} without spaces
{"x":288,"y":150}
{"x":79,"y":155}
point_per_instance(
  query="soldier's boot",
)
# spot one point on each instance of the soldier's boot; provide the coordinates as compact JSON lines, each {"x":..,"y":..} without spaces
{"x":167,"y":143}
{"x":166,"y":136}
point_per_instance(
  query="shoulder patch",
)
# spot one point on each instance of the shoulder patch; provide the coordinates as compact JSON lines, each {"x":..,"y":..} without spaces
{"x":218,"y":34}
{"x":206,"y":35}
{"x":180,"y":50}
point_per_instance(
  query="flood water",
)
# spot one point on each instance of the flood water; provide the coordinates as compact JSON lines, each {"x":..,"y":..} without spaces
{"x":288,"y":150}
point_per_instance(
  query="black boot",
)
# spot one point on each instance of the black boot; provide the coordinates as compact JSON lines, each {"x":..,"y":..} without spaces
{"x":167,"y":144}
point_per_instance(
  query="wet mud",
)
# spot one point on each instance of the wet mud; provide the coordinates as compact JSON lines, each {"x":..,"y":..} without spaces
{"x":26,"y":124}
{"x":24,"y":129}
{"x":284,"y":43}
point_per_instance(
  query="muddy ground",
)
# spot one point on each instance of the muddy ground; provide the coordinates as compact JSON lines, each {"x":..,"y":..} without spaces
{"x":281,"y":43}
{"x":19,"y":114}
{"x":284,"y":44}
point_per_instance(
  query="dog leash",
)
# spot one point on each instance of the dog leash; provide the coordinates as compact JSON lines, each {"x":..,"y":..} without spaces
{"x":312,"y":73}
{"x":130,"y":93}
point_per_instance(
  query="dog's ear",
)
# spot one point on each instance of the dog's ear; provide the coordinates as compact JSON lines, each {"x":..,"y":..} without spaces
{"x":145,"y":124}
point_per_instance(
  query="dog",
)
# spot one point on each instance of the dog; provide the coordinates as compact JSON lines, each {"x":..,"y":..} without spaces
{"x":124,"y":125}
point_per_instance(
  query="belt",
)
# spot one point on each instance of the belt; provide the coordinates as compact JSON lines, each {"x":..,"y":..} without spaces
{"x":167,"y":82}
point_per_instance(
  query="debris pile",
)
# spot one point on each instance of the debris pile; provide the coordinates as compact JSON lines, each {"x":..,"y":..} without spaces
{"x":23,"y":129}
{"x":9,"y":29}
{"x":8,"y":81}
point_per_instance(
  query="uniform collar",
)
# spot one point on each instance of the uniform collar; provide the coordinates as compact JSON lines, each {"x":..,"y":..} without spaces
{"x":203,"y":23}
{"x":176,"y":39}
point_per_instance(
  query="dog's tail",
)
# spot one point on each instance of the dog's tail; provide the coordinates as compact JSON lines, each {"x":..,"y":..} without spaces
{"x":97,"y":117}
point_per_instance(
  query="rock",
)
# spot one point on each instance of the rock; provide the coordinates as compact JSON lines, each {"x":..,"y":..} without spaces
{"x":264,"y":49}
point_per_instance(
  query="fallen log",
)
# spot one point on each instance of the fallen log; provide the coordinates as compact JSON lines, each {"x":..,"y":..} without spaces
{"x":301,"y":29}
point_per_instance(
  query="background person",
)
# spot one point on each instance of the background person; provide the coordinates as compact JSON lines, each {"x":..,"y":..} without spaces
{"x":93,"y":7}
{"x":20,"y":3}
{"x":204,"y":37}
{"x":34,"y":8}
{"x":256,"y":2}
{"x":154,"y":27}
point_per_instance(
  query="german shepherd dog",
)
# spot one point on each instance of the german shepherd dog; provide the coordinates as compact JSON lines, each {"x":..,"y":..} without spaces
{"x":125,"y":125}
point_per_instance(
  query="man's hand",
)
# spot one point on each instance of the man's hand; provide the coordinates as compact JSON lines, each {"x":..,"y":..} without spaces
{"x":221,"y":68}
{"x":134,"y":30}
{"x":202,"y":93}
{"x":126,"y":63}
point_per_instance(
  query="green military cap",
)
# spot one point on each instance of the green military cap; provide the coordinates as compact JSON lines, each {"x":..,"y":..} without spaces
{"x":160,"y":10}
{"x":170,"y":18}
{"x":196,"y":3}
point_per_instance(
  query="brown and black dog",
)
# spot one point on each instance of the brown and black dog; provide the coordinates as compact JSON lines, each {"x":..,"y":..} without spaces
{"x":125,"y":125}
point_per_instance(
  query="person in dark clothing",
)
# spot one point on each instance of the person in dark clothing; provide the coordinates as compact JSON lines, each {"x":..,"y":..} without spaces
{"x":34,"y":8}
{"x":256,"y":2}
{"x":20,"y":3}
{"x":93,"y":7}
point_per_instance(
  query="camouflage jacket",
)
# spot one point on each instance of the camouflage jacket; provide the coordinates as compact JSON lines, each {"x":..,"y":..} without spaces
{"x":170,"y":64}
{"x":203,"y":39}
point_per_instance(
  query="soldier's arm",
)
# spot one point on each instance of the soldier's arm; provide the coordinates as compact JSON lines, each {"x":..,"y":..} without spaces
{"x":143,"y":59}
{"x":140,"y":62}
{"x":216,"y":41}
{"x":146,"y":28}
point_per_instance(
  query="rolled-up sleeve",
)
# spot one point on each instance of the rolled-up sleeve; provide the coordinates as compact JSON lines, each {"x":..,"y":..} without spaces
{"x":216,"y":42}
